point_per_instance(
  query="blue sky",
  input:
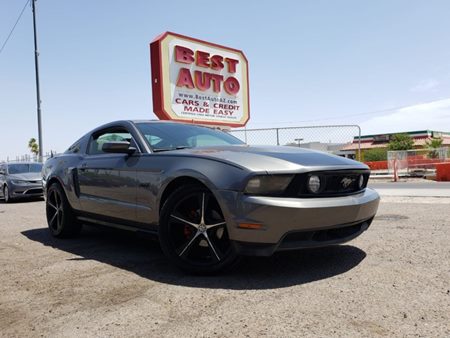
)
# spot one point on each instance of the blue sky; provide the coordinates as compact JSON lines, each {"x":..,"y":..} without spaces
{"x":382,"y":64}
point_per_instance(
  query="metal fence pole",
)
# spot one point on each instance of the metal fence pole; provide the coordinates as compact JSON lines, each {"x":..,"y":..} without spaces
{"x":278,"y":137}
{"x":359,"y":143}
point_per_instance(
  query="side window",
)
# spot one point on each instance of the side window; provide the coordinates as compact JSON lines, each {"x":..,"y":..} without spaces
{"x":98,"y":139}
{"x":2,"y":169}
{"x":153,"y":140}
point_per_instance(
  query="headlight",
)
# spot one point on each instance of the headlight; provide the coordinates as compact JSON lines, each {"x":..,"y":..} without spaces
{"x":19,"y":182}
{"x":268,"y":184}
{"x":314,"y":184}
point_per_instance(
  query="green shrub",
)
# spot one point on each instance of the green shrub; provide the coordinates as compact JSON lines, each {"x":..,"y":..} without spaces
{"x":401,"y":142}
{"x":375,"y":154}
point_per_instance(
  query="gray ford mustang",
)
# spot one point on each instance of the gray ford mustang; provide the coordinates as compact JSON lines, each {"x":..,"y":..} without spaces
{"x":209,"y":197}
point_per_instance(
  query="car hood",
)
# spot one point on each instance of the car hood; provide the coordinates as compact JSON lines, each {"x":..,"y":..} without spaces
{"x":26,"y":176}
{"x":274,"y":158}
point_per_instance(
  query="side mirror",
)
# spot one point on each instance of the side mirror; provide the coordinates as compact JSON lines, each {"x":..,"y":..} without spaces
{"x":118,"y":147}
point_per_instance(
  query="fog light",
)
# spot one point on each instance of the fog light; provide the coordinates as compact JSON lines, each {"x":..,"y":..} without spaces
{"x":314,"y":184}
{"x":360,"y":181}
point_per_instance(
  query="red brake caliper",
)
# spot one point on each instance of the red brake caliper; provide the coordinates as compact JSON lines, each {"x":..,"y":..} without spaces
{"x":187,"y":231}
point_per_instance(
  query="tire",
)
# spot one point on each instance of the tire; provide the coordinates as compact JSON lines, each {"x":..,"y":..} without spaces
{"x":195,"y":243}
{"x":61,"y":219}
{"x":6,"y":194}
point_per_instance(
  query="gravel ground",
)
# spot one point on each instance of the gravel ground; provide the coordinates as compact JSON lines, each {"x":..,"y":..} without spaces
{"x":394,"y":280}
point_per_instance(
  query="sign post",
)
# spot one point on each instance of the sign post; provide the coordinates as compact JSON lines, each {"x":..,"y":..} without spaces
{"x":199,"y":82}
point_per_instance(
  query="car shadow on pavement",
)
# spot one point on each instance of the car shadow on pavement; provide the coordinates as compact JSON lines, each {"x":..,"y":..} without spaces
{"x":22,"y":200}
{"x":141,"y":254}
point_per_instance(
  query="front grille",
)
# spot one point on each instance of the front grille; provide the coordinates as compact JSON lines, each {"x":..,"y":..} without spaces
{"x":34,"y":191}
{"x":317,"y":237}
{"x":333,"y":183}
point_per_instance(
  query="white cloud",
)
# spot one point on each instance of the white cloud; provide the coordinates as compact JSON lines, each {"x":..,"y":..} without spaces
{"x":425,"y":86}
{"x":432,"y":115}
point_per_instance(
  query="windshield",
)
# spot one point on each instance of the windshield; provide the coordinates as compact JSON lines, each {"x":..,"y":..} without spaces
{"x":22,"y":168}
{"x":170,"y":136}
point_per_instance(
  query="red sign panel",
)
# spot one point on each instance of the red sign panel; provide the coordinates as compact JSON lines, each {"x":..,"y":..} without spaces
{"x":198,"y":81}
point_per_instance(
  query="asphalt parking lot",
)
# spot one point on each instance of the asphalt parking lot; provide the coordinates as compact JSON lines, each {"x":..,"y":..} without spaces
{"x":394,"y":280}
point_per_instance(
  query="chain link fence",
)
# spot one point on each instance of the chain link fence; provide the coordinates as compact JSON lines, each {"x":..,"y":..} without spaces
{"x":416,"y":161}
{"x":343,"y":140}
{"x":26,"y":158}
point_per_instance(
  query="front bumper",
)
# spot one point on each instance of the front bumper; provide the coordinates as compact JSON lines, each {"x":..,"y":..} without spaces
{"x":25,"y":190}
{"x":294,"y":223}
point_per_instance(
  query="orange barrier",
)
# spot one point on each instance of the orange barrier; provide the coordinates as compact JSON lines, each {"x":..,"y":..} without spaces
{"x":443,"y":171}
{"x":377,"y":165}
{"x":416,"y":162}
{"x":423,"y":162}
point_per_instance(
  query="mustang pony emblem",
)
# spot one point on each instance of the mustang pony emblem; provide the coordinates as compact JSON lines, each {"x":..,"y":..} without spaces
{"x":346,"y":181}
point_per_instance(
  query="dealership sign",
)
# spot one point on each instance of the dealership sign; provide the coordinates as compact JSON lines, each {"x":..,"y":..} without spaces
{"x":197,"y":81}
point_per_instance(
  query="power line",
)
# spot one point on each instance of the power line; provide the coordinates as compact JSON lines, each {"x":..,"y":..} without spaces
{"x":12,"y":29}
{"x":340,"y":116}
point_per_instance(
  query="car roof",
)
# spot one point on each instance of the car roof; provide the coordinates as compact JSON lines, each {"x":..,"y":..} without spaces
{"x":112,"y":123}
{"x":150,"y":121}
{"x":21,"y":162}
{"x":161,"y":122}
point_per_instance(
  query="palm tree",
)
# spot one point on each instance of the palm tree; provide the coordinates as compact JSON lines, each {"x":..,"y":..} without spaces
{"x":33,"y":146}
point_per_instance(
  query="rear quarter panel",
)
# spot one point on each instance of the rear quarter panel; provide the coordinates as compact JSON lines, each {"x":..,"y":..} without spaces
{"x":61,"y":169}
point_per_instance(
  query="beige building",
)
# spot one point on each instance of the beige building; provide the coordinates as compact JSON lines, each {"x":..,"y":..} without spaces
{"x":420,"y":139}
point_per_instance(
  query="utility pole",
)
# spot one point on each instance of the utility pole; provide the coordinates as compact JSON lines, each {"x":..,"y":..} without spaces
{"x":38,"y":93}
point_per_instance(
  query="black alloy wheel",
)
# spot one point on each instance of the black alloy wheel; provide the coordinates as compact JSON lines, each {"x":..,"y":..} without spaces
{"x":60,"y":217}
{"x":193,"y":231}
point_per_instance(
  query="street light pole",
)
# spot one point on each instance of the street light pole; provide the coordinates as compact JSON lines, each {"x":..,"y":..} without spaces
{"x":299,"y":140}
{"x":38,"y":93}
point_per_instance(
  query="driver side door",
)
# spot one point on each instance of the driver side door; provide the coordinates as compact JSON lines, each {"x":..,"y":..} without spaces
{"x":107,"y":181}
